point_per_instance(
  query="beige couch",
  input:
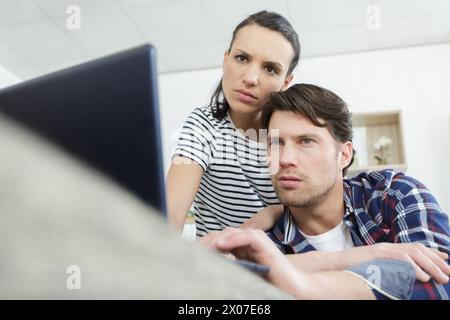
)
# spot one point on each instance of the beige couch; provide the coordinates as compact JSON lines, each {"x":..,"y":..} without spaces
{"x":56,"y":212}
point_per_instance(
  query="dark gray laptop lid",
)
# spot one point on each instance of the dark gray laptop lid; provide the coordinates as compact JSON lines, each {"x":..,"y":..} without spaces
{"x":105,"y":112}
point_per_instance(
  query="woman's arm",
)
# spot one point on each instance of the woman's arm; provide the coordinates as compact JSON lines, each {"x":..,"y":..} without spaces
{"x":183,"y":181}
{"x":264,"y":219}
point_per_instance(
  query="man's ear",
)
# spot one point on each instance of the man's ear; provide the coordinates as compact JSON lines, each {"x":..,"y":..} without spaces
{"x":287,"y":81}
{"x":346,"y":154}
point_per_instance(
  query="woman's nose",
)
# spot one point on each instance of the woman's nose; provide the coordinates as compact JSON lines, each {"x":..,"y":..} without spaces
{"x":251,"y":77}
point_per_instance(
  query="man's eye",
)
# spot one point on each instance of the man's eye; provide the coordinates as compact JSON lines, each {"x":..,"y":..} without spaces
{"x":274,"y":142}
{"x":306,"y":141}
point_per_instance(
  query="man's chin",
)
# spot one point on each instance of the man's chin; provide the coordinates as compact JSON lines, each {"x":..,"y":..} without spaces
{"x":292,"y":201}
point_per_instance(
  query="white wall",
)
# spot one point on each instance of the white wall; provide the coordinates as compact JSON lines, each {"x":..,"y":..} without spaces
{"x":180,"y":93}
{"x":415,"y":80}
{"x":7,"y":78}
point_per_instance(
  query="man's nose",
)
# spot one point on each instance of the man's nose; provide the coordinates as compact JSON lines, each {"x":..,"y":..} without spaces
{"x":288,"y":157}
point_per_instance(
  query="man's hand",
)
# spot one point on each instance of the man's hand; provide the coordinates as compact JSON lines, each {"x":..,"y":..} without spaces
{"x":428,"y":263}
{"x":255,"y":245}
{"x":249,"y":244}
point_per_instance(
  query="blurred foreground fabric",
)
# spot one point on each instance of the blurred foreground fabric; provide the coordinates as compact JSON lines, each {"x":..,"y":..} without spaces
{"x":56,"y":212}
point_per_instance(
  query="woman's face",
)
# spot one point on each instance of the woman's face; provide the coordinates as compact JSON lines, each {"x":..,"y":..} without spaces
{"x":255,"y":66}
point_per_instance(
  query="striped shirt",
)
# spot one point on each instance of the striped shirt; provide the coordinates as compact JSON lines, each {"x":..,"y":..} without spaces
{"x":383,"y":206}
{"x":236,"y":181}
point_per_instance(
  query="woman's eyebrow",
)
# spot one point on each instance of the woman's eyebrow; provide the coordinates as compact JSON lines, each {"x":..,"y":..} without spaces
{"x":272,"y":63}
{"x":243,"y":51}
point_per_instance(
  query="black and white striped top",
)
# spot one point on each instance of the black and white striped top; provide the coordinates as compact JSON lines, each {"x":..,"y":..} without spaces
{"x":236,"y":182}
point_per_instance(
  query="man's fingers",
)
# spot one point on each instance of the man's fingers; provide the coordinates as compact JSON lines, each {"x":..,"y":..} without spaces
{"x":437,"y":258}
{"x":210,"y":240}
{"x":229,"y":256}
{"x":427,"y":265}
{"x":249,"y":244}
{"x":420,"y":274}
{"x":234,"y":240}
{"x":394,"y":254}
{"x":229,"y":240}
{"x":441,"y":254}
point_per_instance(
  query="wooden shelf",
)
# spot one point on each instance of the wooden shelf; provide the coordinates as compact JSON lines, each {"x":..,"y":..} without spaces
{"x":368,"y":128}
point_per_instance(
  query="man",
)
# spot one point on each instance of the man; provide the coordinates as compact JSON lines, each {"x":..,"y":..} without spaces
{"x":338,"y":223}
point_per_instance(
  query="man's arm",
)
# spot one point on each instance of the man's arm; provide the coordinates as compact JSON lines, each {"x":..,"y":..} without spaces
{"x":414,"y":216}
{"x":426,"y":262}
{"x":333,"y":285}
{"x":255,"y":245}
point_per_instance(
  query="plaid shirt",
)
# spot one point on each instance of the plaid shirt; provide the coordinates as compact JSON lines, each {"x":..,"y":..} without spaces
{"x":383,"y":206}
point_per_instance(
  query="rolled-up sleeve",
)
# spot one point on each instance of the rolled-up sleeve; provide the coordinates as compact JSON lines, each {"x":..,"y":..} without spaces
{"x":195,"y":141}
{"x":416,"y":217}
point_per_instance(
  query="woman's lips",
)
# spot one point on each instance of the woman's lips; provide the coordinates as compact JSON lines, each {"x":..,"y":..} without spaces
{"x":245,"y":96}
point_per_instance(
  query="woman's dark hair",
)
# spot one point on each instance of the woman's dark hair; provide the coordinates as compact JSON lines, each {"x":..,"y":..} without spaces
{"x":272,"y":21}
{"x":314,"y":103}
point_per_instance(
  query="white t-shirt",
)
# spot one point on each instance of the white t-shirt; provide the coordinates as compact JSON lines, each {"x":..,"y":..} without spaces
{"x":236,"y":181}
{"x":336,"y":239}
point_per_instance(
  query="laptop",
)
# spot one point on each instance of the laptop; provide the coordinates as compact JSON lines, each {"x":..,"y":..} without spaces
{"x":105,"y":112}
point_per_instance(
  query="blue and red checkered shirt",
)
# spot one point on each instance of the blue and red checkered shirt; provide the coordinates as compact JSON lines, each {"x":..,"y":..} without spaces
{"x":383,"y":206}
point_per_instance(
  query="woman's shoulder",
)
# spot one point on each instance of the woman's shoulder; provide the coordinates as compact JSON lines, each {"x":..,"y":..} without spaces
{"x":204,"y":116}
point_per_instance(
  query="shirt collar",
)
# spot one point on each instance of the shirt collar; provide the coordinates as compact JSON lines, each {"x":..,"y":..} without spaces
{"x":287,"y":237}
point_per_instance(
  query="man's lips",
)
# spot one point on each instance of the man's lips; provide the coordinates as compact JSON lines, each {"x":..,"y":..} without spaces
{"x":289,"y":181}
{"x":289,"y":177}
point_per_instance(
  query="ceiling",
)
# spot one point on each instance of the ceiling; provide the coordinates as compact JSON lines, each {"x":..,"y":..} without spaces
{"x":193,"y":34}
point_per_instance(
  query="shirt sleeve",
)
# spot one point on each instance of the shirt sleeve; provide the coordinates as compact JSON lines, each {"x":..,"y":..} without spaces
{"x":196,"y":140}
{"x":416,"y":216}
{"x":387,"y":278}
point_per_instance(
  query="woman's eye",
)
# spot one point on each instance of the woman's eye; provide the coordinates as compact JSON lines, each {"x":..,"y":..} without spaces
{"x":271,"y":70}
{"x":241,"y":58}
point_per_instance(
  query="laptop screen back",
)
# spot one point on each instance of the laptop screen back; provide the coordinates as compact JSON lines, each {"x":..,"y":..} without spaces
{"x":105,"y":112}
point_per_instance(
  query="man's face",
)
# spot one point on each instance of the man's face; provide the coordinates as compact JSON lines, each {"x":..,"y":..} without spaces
{"x":305,"y":160}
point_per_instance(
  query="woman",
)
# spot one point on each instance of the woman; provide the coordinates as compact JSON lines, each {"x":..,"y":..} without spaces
{"x":219,"y":163}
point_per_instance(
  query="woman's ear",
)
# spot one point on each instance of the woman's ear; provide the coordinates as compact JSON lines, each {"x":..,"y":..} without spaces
{"x":287,"y":81}
{"x":225,"y":56}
